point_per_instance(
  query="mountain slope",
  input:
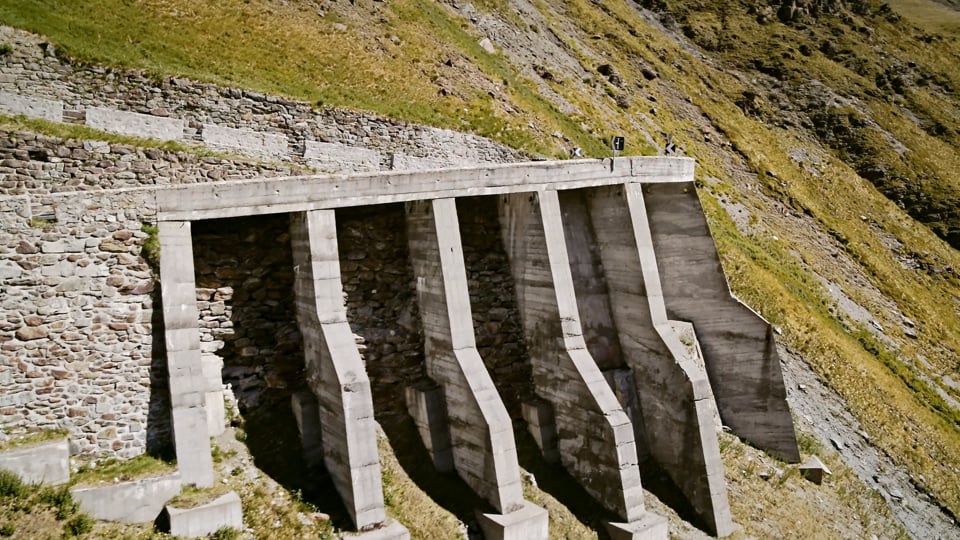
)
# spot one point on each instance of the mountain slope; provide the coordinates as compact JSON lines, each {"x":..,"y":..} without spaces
{"x":826,"y":136}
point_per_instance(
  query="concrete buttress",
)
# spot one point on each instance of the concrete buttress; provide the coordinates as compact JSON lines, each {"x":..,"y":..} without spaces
{"x":738,"y":345}
{"x":188,"y":385}
{"x":335,"y":372}
{"x":481,"y":432}
{"x":675,"y":398}
{"x":595,"y":436}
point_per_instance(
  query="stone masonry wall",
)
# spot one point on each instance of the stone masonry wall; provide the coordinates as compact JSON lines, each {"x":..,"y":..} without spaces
{"x":32,"y":70}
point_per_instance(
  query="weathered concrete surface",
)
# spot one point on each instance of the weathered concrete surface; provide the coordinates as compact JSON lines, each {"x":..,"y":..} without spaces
{"x":307,"y":414}
{"x":738,"y":345}
{"x":405,"y":162}
{"x":33,"y":107}
{"x":188,"y":386}
{"x":254,"y":143}
{"x":595,"y":437}
{"x":675,"y":399}
{"x":543,"y":427}
{"x":48,"y":463}
{"x":428,"y":408}
{"x":481,"y":433}
{"x":332,"y":157}
{"x":527,"y":523}
{"x":335,"y":372}
{"x":225,"y":511}
{"x":300,"y":193}
{"x":135,"y":124}
{"x":138,"y":501}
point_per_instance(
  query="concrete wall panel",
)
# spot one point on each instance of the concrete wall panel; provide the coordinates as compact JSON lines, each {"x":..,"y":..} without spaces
{"x":330,"y":157}
{"x":32,"y":107}
{"x":738,"y":346}
{"x":135,"y":124}
{"x":254,"y":143}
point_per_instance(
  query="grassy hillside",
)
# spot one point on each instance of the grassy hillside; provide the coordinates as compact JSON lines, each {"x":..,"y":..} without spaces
{"x":828,"y":145}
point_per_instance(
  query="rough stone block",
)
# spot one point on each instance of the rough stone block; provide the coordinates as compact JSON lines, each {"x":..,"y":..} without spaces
{"x":139,"y":501}
{"x":527,"y":523}
{"x":648,"y":527}
{"x":255,"y":143}
{"x":205,"y":519}
{"x":48,"y":463}
{"x":389,"y":530}
{"x":32,"y":107}
{"x":405,"y":162}
{"x":331,"y":157}
{"x":135,"y":124}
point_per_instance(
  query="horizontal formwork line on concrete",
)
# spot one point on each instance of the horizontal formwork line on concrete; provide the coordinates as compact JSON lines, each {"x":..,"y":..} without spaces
{"x":293,"y":194}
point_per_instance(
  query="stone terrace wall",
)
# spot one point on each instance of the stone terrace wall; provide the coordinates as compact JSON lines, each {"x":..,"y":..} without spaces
{"x":31,"y":70}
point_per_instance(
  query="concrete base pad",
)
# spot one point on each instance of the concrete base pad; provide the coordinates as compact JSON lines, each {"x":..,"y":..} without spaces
{"x":648,"y":527}
{"x":139,"y":501}
{"x":48,"y":463}
{"x":528,"y":523}
{"x":224,"y":511}
{"x":390,"y":530}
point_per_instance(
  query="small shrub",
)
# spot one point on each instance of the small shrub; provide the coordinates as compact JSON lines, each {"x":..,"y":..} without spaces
{"x":5,"y":49}
{"x":151,"y":247}
{"x":226,"y":533}
{"x":61,"y":499}
{"x":7,"y":530}
{"x":240,"y":435}
{"x":80,"y":524}
{"x":10,"y":484}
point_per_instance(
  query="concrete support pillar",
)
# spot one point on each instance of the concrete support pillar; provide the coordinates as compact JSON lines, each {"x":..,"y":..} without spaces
{"x":676,"y":402}
{"x":481,"y":433}
{"x":738,"y":345}
{"x":188,"y":385}
{"x":428,"y":408}
{"x":335,"y":372}
{"x":595,"y":438}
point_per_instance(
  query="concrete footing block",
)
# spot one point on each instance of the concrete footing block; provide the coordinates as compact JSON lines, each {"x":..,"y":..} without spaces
{"x":48,"y":463}
{"x":428,"y":408}
{"x":138,"y":501}
{"x":389,"y":530}
{"x":225,"y":511}
{"x":648,"y":527}
{"x":528,"y":523}
{"x":542,"y":425}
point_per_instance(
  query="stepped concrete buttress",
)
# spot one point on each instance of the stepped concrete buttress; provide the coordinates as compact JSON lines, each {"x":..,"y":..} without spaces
{"x":335,"y":372}
{"x":738,"y":345}
{"x":595,"y":438}
{"x":481,"y":431}
{"x":189,"y":387}
{"x":675,"y":398}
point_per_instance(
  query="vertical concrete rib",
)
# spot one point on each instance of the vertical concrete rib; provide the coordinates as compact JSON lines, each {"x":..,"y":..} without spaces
{"x":335,"y":372}
{"x":675,"y":398}
{"x":481,"y":433}
{"x":595,"y":437}
{"x":188,"y":385}
{"x":738,"y":346}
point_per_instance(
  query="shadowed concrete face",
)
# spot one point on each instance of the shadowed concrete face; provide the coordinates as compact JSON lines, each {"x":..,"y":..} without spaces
{"x":674,"y":395}
{"x":335,"y":372}
{"x":481,"y":433}
{"x":738,"y":345}
{"x":595,"y":437}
